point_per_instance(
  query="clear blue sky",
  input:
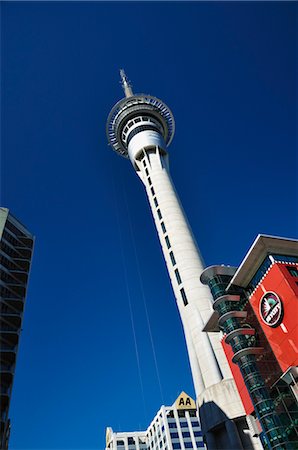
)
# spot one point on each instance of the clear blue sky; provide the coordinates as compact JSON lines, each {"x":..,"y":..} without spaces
{"x":227,"y":71}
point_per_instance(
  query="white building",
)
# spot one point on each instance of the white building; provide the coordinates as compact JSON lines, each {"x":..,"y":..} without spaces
{"x":173,"y":427}
{"x":140,"y":127}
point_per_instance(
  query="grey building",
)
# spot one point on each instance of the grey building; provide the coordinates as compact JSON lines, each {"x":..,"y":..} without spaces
{"x":16,"y":245}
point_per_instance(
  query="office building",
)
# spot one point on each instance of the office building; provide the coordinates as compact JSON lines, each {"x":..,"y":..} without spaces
{"x":16,"y":245}
{"x":173,"y":427}
{"x":141,"y":127}
{"x":256,"y":307}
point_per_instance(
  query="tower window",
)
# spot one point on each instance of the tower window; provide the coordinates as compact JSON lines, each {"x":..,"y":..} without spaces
{"x":178,"y":276}
{"x":167,"y":241}
{"x":163,"y":227}
{"x":152,"y":191}
{"x":172,"y":258}
{"x":147,"y":171}
{"x":155,"y":201}
{"x":293,"y":271}
{"x":159,"y":214}
{"x":183,"y":295}
{"x":144,"y":162}
{"x":149,"y":180}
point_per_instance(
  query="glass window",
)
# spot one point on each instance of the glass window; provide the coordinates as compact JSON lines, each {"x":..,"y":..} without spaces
{"x":197,"y":433}
{"x":174,"y":435}
{"x":120,"y":442}
{"x":130,"y":440}
{"x":147,"y":172}
{"x":185,"y":434}
{"x":163,"y":227}
{"x":284,"y":258}
{"x":168,"y":241}
{"x":155,"y":202}
{"x":152,"y":191}
{"x":149,"y":180}
{"x":293,"y":271}
{"x":172,"y":425}
{"x":172,"y":258}
{"x":178,"y":276}
{"x":193,"y":413}
{"x":181,"y":412}
{"x":184,"y":298}
{"x":176,"y":445}
{"x":188,"y":445}
{"x":159,"y":214}
{"x":183,"y":424}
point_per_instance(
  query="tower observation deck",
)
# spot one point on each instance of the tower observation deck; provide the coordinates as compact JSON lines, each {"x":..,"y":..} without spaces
{"x":141,"y":127}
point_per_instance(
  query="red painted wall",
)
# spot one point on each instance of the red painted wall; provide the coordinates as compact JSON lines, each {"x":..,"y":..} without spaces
{"x":284,"y":338}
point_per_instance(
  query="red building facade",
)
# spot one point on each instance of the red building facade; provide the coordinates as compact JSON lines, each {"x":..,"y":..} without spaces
{"x":261,"y":297}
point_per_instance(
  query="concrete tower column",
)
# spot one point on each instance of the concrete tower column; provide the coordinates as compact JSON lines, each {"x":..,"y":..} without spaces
{"x":184,"y":264}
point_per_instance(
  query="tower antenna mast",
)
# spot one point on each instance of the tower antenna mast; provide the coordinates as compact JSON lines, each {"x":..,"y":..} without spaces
{"x":126,"y":84}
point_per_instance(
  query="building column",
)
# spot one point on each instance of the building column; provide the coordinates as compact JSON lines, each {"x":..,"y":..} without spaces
{"x":235,"y":441}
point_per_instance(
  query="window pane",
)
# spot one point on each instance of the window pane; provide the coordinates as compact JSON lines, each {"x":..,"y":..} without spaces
{"x":178,"y":276}
{"x":172,"y":258}
{"x":168,"y":241}
{"x":184,"y":298}
{"x":163,"y":227}
{"x":293,"y":271}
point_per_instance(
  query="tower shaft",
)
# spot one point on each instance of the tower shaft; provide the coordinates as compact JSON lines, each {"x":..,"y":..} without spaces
{"x":184,"y":264}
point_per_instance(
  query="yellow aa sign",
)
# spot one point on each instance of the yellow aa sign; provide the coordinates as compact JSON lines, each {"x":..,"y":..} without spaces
{"x":184,"y":401}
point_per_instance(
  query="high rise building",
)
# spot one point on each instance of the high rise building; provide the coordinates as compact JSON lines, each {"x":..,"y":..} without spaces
{"x":173,"y":428}
{"x":141,"y":127}
{"x":16,"y":245}
{"x":256,"y":307}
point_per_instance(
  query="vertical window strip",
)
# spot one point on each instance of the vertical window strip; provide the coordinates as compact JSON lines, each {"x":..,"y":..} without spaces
{"x":163,"y":227}
{"x":152,"y":191}
{"x":167,"y":241}
{"x":178,"y":278}
{"x":159,"y":214}
{"x":183,"y":295}
{"x":172,"y":258}
{"x":155,"y":202}
{"x":149,"y":180}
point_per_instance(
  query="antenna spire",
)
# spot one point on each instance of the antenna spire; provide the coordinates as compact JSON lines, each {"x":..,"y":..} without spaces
{"x":126,"y":85}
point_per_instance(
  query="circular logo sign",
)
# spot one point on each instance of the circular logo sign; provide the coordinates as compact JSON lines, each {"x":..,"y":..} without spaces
{"x":271,"y":309}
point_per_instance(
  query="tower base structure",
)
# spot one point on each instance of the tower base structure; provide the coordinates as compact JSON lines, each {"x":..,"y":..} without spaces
{"x":223,"y":419}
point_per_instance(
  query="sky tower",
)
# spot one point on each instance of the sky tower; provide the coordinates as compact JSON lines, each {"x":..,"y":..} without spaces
{"x":141,"y":127}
